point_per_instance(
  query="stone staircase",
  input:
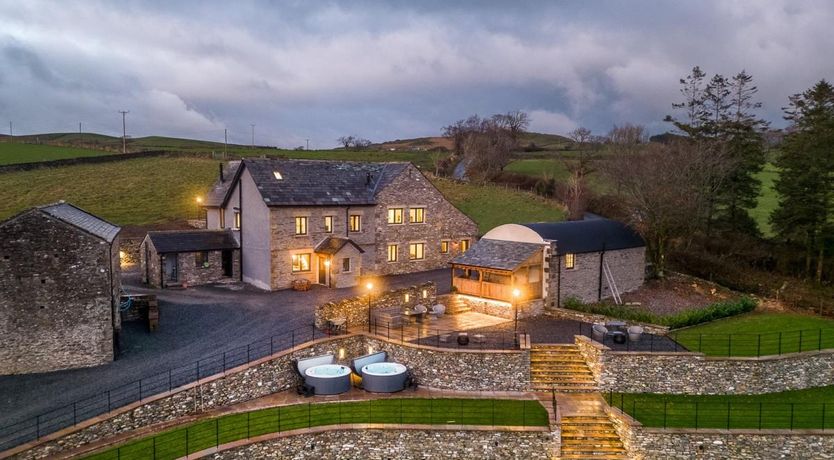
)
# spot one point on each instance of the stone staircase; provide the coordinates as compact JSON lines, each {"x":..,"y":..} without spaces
{"x":454,"y":304}
{"x":561,"y":368}
{"x":590,"y":437}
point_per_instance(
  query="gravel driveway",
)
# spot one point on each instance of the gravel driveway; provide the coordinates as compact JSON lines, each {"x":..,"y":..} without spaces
{"x":194,"y":323}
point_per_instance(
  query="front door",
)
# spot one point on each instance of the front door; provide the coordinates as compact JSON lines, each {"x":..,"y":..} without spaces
{"x":322,"y":270}
{"x":170,"y":267}
{"x":228,"y":262}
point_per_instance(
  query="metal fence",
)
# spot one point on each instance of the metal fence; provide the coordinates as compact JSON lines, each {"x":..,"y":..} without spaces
{"x":724,"y":413}
{"x":646,"y":342}
{"x":212,"y":433}
{"x":425,"y":334}
{"x":71,"y":414}
{"x":764,"y":344}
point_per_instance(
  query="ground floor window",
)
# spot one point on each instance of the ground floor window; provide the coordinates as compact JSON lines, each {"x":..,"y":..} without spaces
{"x":346,"y":265}
{"x":392,"y":252}
{"x":201,"y":259}
{"x":301,"y":262}
{"x":570,"y":261}
{"x":417,"y":251}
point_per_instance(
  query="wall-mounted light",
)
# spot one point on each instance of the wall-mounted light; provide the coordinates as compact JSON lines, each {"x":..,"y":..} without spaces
{"x":122,"y":255}
{"x":406,"y":298}
{"x":425,"y":293}
{"x":341,"y":353}
{"x":370,"y":349}
{"x":327,"y":263}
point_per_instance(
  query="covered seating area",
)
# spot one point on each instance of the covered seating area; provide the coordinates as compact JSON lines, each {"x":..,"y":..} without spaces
{"x":500,"y":270}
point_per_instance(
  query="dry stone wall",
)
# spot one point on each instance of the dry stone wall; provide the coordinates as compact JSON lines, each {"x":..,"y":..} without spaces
{"x":526,"y":309}
{"x":355,"y":309}
{"x":399,"y":444}
{"x":694,"y":373}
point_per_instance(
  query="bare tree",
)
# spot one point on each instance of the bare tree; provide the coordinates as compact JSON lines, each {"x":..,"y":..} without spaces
{"x":360,"y":143}
{"x":346,"y":141}
{"x":460,"y":130}
{"x":581,"y":137}
{"x":628,"y":136}
{"x":487,"y":151}
{"x":515,"y":122}
{"x":665,"y":191}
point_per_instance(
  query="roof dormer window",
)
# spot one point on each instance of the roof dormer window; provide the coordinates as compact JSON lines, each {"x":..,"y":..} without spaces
{"x":277,"y":175}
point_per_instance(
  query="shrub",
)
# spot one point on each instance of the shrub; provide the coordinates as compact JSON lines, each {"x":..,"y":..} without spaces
{"x":683,"y":319}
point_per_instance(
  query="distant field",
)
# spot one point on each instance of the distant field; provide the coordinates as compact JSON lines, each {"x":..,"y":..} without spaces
{"x":12,"y":153}
{"x":130,"y":192}
{"x":490,"y":206}
{"x":539,"y":167}
{"x":768,"y":199}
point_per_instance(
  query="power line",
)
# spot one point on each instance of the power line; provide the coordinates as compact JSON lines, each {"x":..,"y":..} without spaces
{"x":124,"y":130}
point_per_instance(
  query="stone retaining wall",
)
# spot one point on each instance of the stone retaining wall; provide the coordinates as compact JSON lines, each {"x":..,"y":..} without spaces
{"x":437,"y":368}
{"x":504,"y":310}
{"x":566,"y":313}
{"x":653,"y":443}
{"x":399,"y":444}
{"x":694,"y":373}
{"x":355,"y":309}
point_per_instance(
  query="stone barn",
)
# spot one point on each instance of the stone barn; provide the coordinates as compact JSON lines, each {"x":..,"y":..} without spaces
{"x":189,"y":257}
{"x":547,"y":263}
{"x":59,"y":290}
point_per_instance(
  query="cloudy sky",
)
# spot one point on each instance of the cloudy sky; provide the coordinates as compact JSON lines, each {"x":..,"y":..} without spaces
{"x":396,"y":69}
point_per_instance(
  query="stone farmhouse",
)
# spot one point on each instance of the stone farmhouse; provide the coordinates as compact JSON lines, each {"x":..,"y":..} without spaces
{"x":59,"y":290}
{"x":549,"y":263}
{"x":330,"y":222}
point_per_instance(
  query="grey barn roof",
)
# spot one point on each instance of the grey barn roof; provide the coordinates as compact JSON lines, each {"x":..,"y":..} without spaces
{"x":320,"y":182}
{"x":77,"y":217}
{"x":590,"y":235}
{"x":172,"y":241}
{"x":497,"y":254}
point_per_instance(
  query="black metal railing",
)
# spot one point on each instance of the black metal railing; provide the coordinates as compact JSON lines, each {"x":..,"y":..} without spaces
{"x":623,"y":342}
{"x":723,"y":413}
{"x":421,"y":411}
{"x":764,"y":344}
{"x":426,"y":334}
{"x":71,"y":414}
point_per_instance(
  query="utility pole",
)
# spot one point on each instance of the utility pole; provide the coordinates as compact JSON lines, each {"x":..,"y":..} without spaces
{"x":80,"y":133}
{"x":11,"y":132}
{"x":308,"y":144}
{"x":225,"y":141}
{"x":124,"y":130}
{"x":253,"y":135}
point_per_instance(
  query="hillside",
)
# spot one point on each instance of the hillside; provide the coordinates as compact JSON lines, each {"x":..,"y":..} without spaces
{"x":540,"y":140}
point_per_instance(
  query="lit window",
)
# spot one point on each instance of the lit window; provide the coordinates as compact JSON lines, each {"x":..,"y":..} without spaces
{"x":416,"y":251}
{"x":300,"y":225}
{"x":346,"y":265}
{"x":201,"y":259}
{"x":417,"y":215}
{"x":301,"y":262}
{"x":464,"y":245}
{"x":395,"y":215}
{"x":570,"y":261}
{"x":237,"y":220}
{"x":392,"y":252}
{"x":328,"y":224}
{"x":277,"y":175}
{"x":222,"y":218}
{"x":355,"y":223}
{"x":444,"y":247}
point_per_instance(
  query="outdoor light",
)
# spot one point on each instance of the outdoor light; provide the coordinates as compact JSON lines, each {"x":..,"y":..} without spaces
{"x":425,"y":293}
{"x":122,"y":256}
{"x":370,"y":349}
{"x":199,"y":199}
{"x":341,"y":353}
{"x":406,"y":297}
{"x":327,"y":263}
{"x":370,"y":286}
{"x":516,"y":293}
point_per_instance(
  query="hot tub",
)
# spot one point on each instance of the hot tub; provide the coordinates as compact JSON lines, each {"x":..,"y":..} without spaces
{"x":384,"y":377}
{"x":328,"y":379}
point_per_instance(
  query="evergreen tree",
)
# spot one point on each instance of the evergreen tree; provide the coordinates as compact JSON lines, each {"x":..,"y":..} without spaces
{"x":806,"y":183}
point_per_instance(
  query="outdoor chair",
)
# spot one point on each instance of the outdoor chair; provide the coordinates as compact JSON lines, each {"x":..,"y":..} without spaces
{"x":437,"y":310}
{"x":599,"y":332}
{"x":634,"y":333}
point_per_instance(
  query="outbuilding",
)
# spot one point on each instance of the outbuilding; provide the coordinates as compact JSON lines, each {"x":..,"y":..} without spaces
{"x":189,"y":257}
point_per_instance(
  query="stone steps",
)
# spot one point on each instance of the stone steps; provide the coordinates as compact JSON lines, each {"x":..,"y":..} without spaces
{"x":591,"y":436}
{"x":560,"y":368}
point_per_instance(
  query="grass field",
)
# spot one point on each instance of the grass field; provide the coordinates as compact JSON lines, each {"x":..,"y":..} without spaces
{"x":11,"y":153}
{"x":490,"y":206}
{"x":759,"y":334}
{"x":130,"y":192}
{"x":801,"y":409}
{"x":181,"y":441}
{"x":768,"y":199}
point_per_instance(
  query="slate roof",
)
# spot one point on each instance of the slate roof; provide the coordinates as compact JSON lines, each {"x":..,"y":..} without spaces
{"x":321,"y":182}
{"x":497,"y":254}
{"x":79,"y":218}
{"x":173,"y":241}
{"x":590,"y":235}
{"x":333,"y":244}
{"x":217,"y":194}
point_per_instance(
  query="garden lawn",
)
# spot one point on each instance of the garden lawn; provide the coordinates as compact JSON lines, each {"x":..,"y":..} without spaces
{"x":490,"y":205}
{"x":759,"y":334}
{"x":801,"y":409}
{"x":768,"y":199}
{"x":202,"y":435}
{"x":11,"y":153}
{"x":130,"y":192}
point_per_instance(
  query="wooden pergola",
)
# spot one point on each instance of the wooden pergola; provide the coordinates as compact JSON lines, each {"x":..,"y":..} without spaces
{"x":499,"y":284}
